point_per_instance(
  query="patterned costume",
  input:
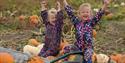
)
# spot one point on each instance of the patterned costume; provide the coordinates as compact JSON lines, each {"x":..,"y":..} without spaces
{"x":83,"y":31}
{"x":52,"y":34}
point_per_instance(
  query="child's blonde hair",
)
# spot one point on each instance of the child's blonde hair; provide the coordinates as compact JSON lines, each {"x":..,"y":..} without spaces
{"x":85,"y":5}
{"x":52,"y":11}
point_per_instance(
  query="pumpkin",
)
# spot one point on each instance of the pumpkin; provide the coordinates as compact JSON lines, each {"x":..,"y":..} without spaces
{"x":34,"y":20}
{"x":63,"y":44}
{"x":36,"y":59}
{"x":94,"y":33}
{"x":102,"y":58}
{"x":6,"y":58}
{"x":33,"y":42}
{"x":22,"y":22}
{"x":122,"y":59}
{"x":94,"y":57}
{"x":116,"y":57}
{"x":21,"y":18}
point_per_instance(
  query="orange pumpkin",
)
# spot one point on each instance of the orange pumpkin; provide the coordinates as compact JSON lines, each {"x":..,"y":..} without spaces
{"x":22,"y":22}
{"x":94,"y":33}
{"x":36,"y":59}
{"x":94,"y":57}
{"x":123,"y":59}
{"x":6,"y":58}
{"x":33,"y":42}
{"x":116,"y":57}
{"x":22,"y":18}
{"x":63,"y":44}
{"x":34,"y":19}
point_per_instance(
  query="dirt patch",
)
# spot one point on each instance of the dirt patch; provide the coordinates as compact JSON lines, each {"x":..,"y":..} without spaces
{"x":111,"y":39}
{"x":14,"y":39}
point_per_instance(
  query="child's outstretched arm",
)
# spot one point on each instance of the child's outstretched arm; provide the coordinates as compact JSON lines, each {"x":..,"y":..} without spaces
{"x":44,"y":13}
{"x":105,"y":5}
{"x":43,"y":5}
{"x":70,"y":13}
{"x":100,"y":13}
{"x":60,"y":16}
{"x":58,"y":6}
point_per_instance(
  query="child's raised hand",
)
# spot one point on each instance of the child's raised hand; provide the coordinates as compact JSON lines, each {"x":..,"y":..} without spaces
{"x":58,"y":6}
{"x":43,"y":3}
{"x":107,"y":2}
{"x":65,"y":2}
{"x":58,"y":3}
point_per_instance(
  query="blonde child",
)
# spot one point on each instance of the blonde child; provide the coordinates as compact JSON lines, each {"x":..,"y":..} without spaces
{"x":83,"y":24}
{"x":53,"y":20}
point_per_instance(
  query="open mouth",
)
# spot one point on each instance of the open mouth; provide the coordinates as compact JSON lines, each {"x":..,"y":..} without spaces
{"x":85,"y":16}
{"x":53,"y":17}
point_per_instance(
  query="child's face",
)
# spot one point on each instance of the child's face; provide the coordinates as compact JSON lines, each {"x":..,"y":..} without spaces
{"x":52,"y":16}
{"x":84,"y":13}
